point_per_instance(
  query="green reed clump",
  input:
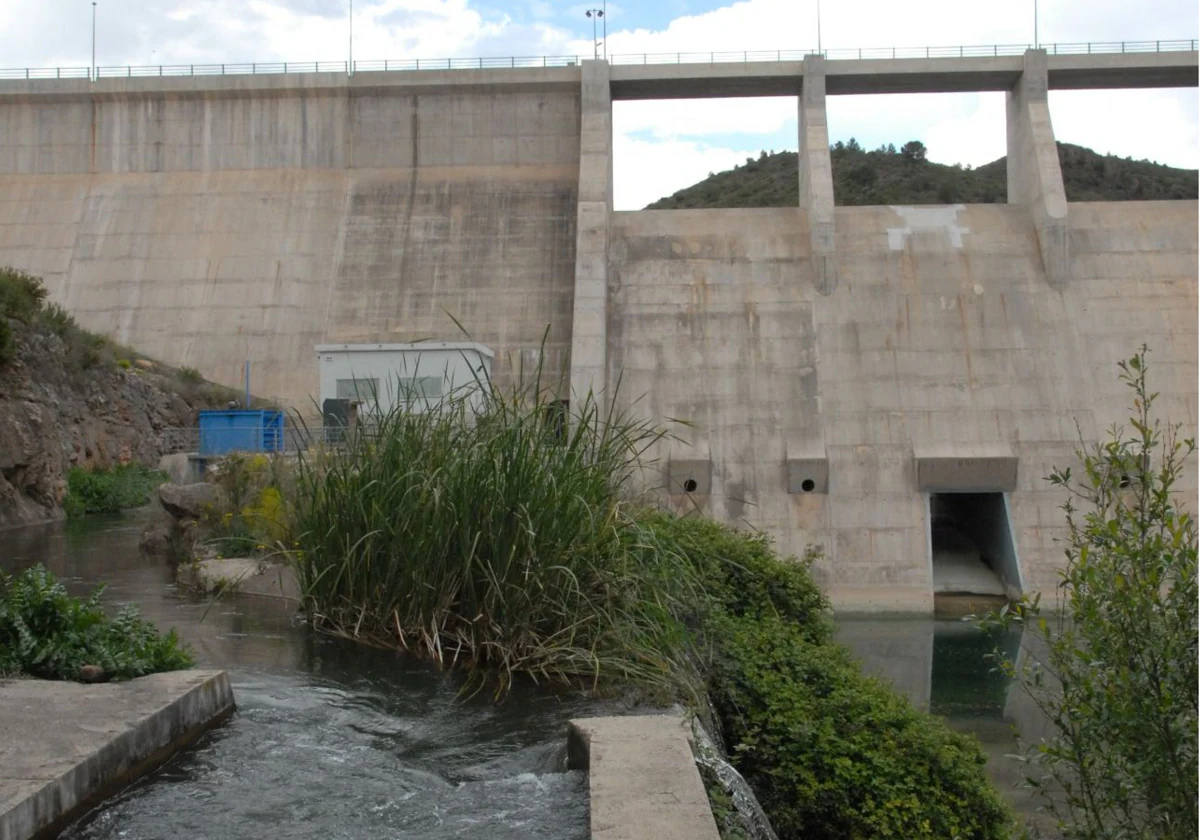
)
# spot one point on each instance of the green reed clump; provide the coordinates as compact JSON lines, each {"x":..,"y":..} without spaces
{"x":489,"y":531}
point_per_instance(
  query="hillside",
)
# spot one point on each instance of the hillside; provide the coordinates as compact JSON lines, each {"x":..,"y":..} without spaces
{"x":888,"y":176}
{"x":69,"y":398}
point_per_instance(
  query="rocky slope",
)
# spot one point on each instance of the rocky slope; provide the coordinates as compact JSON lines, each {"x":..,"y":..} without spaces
{"x":72,"y":399}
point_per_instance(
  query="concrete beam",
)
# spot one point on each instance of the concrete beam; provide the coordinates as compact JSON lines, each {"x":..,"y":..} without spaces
{"x":589,"y":332}
{"x":816,"y":175}
{"x":922,"y":75}
{"x":706,"y":81}
{"x":1113,"y":71}
{"x":1034,"y":174}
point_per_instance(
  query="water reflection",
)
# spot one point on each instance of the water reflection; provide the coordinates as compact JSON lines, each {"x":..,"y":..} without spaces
{"x":331,"y":739}
{"x":942,"y":667}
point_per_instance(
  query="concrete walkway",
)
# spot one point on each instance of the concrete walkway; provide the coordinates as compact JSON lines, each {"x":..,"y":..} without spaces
{"x":65,"y":746}
{"x":642,"y":779}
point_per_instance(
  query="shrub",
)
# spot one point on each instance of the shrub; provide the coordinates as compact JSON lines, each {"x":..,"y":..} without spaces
{"x":46,"y":633}
{"x":21,"y":295}
{"x":1115,"y":669}
{"x":124,"y":364}
{"x":58,"y":321}
{"x":8,"y":343}
{"x":190,"y":375}
{"x":831,"y":753}
{"x":253,"y":513}
{"x":109,"y":491}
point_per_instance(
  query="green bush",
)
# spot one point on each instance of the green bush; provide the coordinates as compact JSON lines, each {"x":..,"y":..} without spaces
{"x":829,"y":752}
{"x":46,"y":633}
{"x":190,"y":375}
{"x":110,"y":491}
{"x":8,"y":344}
{"x":21,"y":295}
{"x":1114,"y":667}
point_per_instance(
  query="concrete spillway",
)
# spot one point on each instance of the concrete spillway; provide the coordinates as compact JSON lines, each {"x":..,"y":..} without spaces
{"x":840,"y":363}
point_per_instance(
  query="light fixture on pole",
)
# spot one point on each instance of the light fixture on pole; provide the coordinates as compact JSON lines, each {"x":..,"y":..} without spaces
{"x":595,"y":15}
{"x":94,"y":74}
{"x":350,"y":62}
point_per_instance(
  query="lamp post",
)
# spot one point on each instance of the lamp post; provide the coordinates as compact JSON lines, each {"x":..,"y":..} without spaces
{"x":93,"y":40}
{"x":350,"y":62}
{"x":1037,"y":44}
{"x":819,"y":27}
{"x":595,"y":15}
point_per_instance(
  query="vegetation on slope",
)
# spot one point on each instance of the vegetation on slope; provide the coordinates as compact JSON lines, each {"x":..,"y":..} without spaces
{"x":905,"y":176}
{"x":110,"y":491}
{"x":46,"y":633}
{"x":26,"y":312}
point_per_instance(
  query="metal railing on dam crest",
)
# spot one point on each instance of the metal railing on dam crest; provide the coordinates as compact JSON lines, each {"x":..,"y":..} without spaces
{"x":525,"y":62}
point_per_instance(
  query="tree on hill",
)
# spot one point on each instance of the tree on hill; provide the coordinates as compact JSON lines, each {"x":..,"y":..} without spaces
{"x":888,"y":176}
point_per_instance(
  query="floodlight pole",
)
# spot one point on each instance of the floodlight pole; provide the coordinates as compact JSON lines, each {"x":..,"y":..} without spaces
{"x":1036,"y":41}
{"x":594,"y":14}
{"x":350,"y":63}
{"x":603,"y":14}
{"x":94,"y":40}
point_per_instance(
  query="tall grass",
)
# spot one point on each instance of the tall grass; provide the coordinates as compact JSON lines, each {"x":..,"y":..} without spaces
{"x":487,"y":532}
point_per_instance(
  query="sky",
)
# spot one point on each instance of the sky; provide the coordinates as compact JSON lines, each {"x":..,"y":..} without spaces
{"x":660,"y":147}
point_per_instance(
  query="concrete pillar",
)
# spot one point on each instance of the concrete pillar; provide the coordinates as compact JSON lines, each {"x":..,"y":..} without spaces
{"x":589,"y":330}
{"x":816,"y":174}
{"x":1034,"y":175}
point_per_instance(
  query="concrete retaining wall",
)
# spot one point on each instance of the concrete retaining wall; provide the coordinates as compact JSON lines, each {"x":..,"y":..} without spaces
{"x":65,"y":747}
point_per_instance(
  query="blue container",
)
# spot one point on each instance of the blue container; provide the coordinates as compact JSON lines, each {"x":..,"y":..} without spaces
{"x":240,"y":431}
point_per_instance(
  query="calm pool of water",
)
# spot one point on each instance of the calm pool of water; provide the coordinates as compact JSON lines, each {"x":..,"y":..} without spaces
{"x":941,"y":666}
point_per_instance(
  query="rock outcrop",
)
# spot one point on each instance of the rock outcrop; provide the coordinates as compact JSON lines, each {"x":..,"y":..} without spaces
{"x":58,"y":412}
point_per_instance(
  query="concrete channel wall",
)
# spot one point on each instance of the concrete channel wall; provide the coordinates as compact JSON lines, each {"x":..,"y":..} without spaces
{"x":823,"y":352}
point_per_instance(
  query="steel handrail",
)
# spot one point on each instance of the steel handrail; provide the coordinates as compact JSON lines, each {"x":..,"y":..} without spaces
{"x":520,"y":62}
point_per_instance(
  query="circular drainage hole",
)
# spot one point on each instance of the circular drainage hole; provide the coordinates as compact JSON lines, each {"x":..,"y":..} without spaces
{"x":689,"y":486}
{"x":808,"y":485}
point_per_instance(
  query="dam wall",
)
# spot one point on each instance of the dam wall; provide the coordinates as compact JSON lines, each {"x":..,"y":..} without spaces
{"x":943,"y":335}
{"x":835,"y":363}
{"x":208,"y":222}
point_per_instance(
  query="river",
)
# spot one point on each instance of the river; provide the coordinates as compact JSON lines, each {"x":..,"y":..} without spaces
{"x":336,"y":740}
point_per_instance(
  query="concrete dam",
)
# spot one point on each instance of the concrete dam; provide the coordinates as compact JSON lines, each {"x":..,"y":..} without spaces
{"x":859,"y":378}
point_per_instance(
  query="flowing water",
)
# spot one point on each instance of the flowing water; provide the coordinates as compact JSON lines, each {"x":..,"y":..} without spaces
{"x":335,"y":740}
{"x":331,"y":739}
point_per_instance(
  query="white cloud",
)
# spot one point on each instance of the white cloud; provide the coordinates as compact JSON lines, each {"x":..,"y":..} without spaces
{"x":656,"y":169}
